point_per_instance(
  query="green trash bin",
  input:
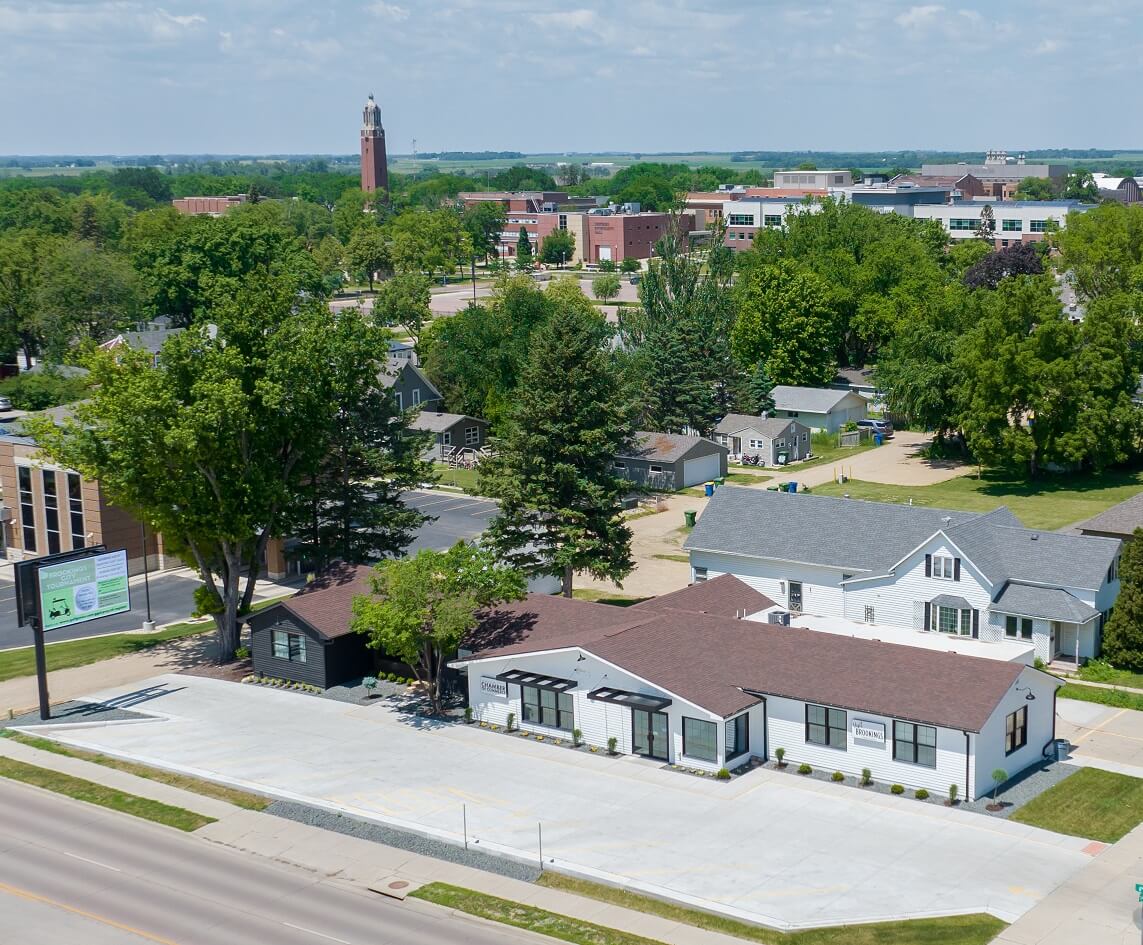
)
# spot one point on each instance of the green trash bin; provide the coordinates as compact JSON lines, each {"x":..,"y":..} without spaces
{"x":689,"y":517}
{"x":720,"y":481}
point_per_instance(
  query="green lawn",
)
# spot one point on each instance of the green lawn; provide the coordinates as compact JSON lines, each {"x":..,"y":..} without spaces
{"x":605,"y":597}
{"x":1112,"y":697}
{"x":1099,"y":671}
{"x":461,"y":478}
{"x":825,"y":455}
{"x":1102,"y":805}
{"x":104,"y":796}
{"x":957,"y":930}
{"x":1050,"y":502}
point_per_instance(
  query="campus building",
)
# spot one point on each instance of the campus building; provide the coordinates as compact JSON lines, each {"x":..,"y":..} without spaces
{"x":1017,"y":221}
{"x":374,"y":161}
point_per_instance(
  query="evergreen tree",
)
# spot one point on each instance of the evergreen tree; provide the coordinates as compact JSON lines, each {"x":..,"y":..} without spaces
{"x":523,"y":250}
{"x":758,"y":396}
{"x":560,"y":501}
{"x":1123,"y":632}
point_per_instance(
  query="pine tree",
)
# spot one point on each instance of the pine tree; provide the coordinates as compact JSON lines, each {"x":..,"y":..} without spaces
{"x":1123,"y":632}
{"x":560,"y":501}
{"x":759,"y":392}
{"x":523,"y":249}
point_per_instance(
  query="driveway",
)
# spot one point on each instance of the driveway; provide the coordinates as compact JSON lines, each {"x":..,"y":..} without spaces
{"x":1102,"y":736}
{"x":896,"y":463}
{"x":768,"y":846}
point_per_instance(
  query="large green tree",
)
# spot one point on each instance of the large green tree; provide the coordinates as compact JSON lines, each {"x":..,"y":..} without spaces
{"x":428,"y":240}
{"x":368,"y":252}
{"x":560,"y":501}
{"x":1123,"y":632}
{"x":485,"y":222}
{"x":421,"y":608}
{"x":404,"y":300}
{"x":558,"y":247}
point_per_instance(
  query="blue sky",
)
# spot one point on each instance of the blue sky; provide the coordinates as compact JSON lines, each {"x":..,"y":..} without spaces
{"x":264,"y":76}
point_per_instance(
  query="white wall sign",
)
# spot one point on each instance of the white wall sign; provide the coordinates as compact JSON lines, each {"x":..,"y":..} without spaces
{"x":869,"y":731}
{"x":493,"y":687}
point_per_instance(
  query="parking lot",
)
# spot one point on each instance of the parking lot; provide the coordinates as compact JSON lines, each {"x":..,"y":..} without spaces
{"x":457,"y":518}
{"x":768,"y":846}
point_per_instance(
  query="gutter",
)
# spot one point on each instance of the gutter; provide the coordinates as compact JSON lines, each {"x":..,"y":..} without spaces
{"x":968,"y":754}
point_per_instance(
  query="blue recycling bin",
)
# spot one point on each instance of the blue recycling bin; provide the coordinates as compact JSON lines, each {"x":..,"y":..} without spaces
{"x":877,"y":439}
{"x":708,"y":488}
{"x":793,"y":487}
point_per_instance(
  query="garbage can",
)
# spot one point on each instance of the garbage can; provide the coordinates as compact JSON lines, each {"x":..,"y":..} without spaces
{"x":793,"y":487}
{"x":720,"y":481}
{"x":877,"y":439}
{"x":689,"y":517}
{"x":708,"y":488}
{"x":1063,"y":746}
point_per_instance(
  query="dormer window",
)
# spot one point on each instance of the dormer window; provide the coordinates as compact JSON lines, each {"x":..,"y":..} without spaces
{"x":944,"y":568}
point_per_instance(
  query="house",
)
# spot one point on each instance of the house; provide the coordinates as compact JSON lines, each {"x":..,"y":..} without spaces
{"x":682,"y":680}
{"x":410,"y":385}
{"x":455,"y":434}
{"x":777,"y":441}
{"x":1119,"y":521}
{"x":819,"y":408}
{"x":978,"y":576}
{"x":670,"y":461}
{"x":150,"y":340}
{"x":309,"y":637}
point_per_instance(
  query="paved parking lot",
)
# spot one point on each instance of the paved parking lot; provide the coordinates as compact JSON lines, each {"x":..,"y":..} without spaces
{"x":768,"y":846}
{"x":457,"y":517}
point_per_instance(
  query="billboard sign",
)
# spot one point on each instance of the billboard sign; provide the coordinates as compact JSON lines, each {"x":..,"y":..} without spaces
{"x":83,"y":589}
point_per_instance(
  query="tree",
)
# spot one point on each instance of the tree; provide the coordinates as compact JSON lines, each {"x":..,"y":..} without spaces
{"x":986,"y":225}
{"x":367,"y":252}
{"x":1081,"y":185}
{"x":1123,"y":632}
{"x":484,"y":222}
{"x":1036,"y":188}
{"x":1020,"y":259}
{"x":558,"y":247}
{"x":1102,"y":249}
{"x":759,"y":393}
{"x":523,"y":250}
{"x":560,"y":501}
{"x":428,"y":240}
{"x":421,"y":608}
{"x":630,"y":264}
{"x":606,"y":287}
{"x":404,"y":300}
{"x":20,"y":256}
{"x":41,"y":389}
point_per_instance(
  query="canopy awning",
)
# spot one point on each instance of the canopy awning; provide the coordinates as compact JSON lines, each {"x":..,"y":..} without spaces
{"x":539,"y":680}
{"x":635,"y":700}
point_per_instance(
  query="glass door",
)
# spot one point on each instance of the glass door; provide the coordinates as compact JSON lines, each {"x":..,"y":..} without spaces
{"x":795,"y":603}
{"x":649,"y":734}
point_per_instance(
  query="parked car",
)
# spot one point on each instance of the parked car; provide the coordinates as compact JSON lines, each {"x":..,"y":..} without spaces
{"x":5,"y":403}
{"x":884,"y":427}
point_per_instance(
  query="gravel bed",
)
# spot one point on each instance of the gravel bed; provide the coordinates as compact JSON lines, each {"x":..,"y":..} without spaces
{"x":356,"y":693}
{"x":404,"y":840}
{"x":70,"y":712}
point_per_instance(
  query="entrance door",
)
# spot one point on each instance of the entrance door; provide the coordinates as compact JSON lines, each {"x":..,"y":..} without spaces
{"x":649,"y":734}
{"x":1064,"y":644}
{"x":795,"y":601}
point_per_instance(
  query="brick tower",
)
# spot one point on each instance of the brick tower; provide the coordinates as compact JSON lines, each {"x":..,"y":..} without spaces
{"x":374,"y":165}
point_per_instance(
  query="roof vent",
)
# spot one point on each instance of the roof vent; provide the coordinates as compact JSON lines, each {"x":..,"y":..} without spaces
{"x":1035,"y":537}
{"x":947,"y":520}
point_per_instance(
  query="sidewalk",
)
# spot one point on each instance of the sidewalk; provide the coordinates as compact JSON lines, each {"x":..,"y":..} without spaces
{"x":361,"y":862}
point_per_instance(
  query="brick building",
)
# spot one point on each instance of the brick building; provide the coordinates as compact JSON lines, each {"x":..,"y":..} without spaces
{"x":207,"y":206}
{"x":374,"y":162}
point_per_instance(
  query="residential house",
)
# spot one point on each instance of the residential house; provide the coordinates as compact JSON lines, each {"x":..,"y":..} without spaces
{"x":455,"y":435}
{"x":150,"y":339}
{"x":980,"y":577}
{"x":819,"y":408}
{"x":1119,"y":521}
{"x":776,"y":441}
{"x":670,"y":461}
{"x":410,"y":385}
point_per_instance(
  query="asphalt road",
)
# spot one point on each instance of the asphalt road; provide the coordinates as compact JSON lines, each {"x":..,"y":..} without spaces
{"x":70,"y":872}
{"x":457,"y":517}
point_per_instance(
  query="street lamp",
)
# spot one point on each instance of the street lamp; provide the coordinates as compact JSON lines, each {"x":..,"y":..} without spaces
{"x":474,"y":278}
{"x":148,"y":624}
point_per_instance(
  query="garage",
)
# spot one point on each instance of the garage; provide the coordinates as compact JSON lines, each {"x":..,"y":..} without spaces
{"x":666,"y":462}
{"x":701,"y":469}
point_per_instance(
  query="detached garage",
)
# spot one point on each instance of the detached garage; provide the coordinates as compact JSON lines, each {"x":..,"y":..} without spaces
{"x":671,"y":461}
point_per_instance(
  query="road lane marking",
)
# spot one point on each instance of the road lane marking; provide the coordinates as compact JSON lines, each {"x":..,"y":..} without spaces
{"x":302,"y":928}
{"x":84,"y":859}
{"x":1095,"y":728}
{"x":36,"y":897}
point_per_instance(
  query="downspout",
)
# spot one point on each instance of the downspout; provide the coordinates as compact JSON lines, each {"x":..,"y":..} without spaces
{"x":1051,"y":741}
{"x":967,"y":755}
{"x":765,"y":729}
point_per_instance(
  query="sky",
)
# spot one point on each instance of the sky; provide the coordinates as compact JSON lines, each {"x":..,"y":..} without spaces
{"x":283,"y":76}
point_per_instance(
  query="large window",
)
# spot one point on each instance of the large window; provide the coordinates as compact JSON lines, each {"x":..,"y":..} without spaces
{"x":75,"y":509}
{"x":772,"y":219}
{"x":700,"y":739}
{"x":1038,"y":226}
{"x":825,"y":726}
{"x":916,"y":744}
{"x":1016,"y":730}
{"x":546,"y":707}
{"x":289,"y":646}
{"x":944,"y":567}
{"x":737,"y":737}
{"x":962,"y":224}
{"x":51,"y":510}
{"x":1018,"y":627}
{"x":27,"y":508}
{"x":740,"y":219}
{"x":1011,"y":226}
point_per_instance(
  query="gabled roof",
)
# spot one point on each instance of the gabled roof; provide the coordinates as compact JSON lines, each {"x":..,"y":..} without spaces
{"x":723,"y":596}
{"x":395,"y":366}
{"x":326,"y":603}
{"x":151,"y":340}
{"x":439,"y":422}
{"x":769,"y":427}
{"x":809,"y":399}
{"x":1048,"y":603}
{"x":1121,"y":519}
{"x":666,"y":447}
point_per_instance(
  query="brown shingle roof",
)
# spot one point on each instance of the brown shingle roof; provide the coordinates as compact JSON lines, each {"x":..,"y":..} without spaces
{"x":666,"y":447}
{"x":723,"y":596}
{"x":326,"y":603}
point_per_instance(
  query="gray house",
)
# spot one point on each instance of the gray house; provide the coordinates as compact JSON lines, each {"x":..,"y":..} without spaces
{"x":819,"y":408}
{"x":671,"y":461}
{"x":455,"y":434}
{"x":777,"y":441}
{"x":409,"y":384}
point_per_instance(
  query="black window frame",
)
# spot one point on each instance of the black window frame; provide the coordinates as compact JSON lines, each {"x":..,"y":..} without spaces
{"x":908,"y":750}
{"x":537,"y":710}
{"x":714,"y":731}
{"x":829,"y":733}
{"x":740,"y":726}
{"x":296,"y":646}
{"x":1018,"y":729}
{"x":27,"y":507}
{"x":75,"y":510}
{"x":50,"y":486}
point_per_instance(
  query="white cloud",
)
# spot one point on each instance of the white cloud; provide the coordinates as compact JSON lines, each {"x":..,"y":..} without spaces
{"x":1049,"y":46}
{"x":572,"y":20}
{"x":919,"y":17}
{"x":389,"y":11}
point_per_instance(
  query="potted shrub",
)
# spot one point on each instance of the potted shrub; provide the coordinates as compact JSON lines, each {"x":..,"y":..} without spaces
{"x":897,"y":789}
{"x":804,"y":768}
{"x":780,"y":754}
{"x":866,"y":777}
{"x":953,"y":791}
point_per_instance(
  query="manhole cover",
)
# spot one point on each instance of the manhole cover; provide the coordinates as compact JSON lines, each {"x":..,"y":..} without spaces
{"x":398,"y":884}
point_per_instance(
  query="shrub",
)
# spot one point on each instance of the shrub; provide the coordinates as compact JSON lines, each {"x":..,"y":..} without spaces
{"x":897,"y":789}
{"x":577,"y":737}
{"x":866,"y":777}
{"x":999,"y":776}
{"x":780,"y":754}
{"x":837,"y":776}
{"x":392,"y":677}
{"x":468,"y":713}
{"x":242,"y":653}
{"x":630,"y":264}
{"x":1038,"y":663}
{"x":511,"y":726}
{"x":804,"y":768}
{"x":607,"y":265}
{"x":1098,"y":671}
{"x":921,"y":794}
{"x":369,"y":682}
{"x":723,"y":774}
{"x":954,"y":790}
{"x":612,"y":742}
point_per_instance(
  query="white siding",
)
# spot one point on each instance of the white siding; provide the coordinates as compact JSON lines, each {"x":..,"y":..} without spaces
{"x":821,"y":587}
{"x":1041,"y":729}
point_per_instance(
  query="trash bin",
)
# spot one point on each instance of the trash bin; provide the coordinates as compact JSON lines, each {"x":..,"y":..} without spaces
{"x":877,"y":439}
{"x":689,"y":517}
{"x":708,"y":488}
{"x":793,"y":487}
{"x":720,"y":481}
{"x":1063,"y":746}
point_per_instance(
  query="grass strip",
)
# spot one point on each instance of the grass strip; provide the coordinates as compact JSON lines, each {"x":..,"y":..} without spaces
{"x":1112,"y":697}
{"x":976,"y":929}
{"x":92,"y":793}
{"x":186,"y":782}
{"x":1101,"y":805}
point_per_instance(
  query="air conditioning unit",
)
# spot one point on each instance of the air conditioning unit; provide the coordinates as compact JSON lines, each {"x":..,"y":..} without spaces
{"x":779,"y":617}
{"x":5,"y":514}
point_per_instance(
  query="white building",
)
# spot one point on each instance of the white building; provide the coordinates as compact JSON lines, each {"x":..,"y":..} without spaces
{"x":819,"y":180}
{"x":819,"y":408}
{"x":679,"y":680}
{"x":983,"y":577}
{"x":1016,"y":220}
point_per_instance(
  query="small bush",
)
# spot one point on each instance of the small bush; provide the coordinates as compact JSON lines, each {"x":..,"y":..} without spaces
{"x":723,"y":774}
{"x":242,"y":653}
{"x":780,"y":754}
{"x":577,"y":737}
{"x":954,"y":790}
{"x":391,"y":677}
{"x":511,"y":726}
{"x":837,"y":776}
{"x":866,"y":777}
{"x":921,"y":794}
{"x":1038,"y":663}
{"x":1098,"y":671}
{"x":468,"y":713}
{"x":369,"y":682}
{"x":612,"y":742}
{"x":897,"y":789}
{"x":804,"y":768}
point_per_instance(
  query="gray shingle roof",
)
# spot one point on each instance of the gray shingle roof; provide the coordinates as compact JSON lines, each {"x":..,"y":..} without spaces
{"x":439,"y":422}
{"x":150,"y":341}
{"x":1050,"y":603}
{"x":950,"y":600}
{"x":769,"y":427}
{"x":1121,"y":519}
{"x":809,"y":399}
{"x":667,"y":447}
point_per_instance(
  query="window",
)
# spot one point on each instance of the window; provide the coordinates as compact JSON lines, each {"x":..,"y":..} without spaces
{"x":791,"y":413}
{"x":400,"y":400}
{"x":772,"y":219}
{"x":547,"y":707}
{"x":868,"y":613}
{"x":966,"y":622}
{"x":1011,"y":226}
{"x":737,"y":734}
{"x":1018,"y":626}
{"x":289,"y":646}
{"x":471,"y":436}
{"x":51,"y":510}
{"x":1113,"y":571}
{"x":75,"y":509}
{"x":618,"y":466}
{"x":916,"y":744}
{"x":825,"y":726}
{"x":700,"y":739}
{"x":416,"y":396}
{"x":446,"y":438}
{"x":700,"y":575}
{"x":944,"y":568}
{"x":656,"y":469}
{"x":961,"y":223}
{"x":946,"y":619}
{"x":741,"y":219}
{"x":1016,"y":730}
{"x":1038,"y":226}
{"x":27,"y":508}
{"x":757,"y":444}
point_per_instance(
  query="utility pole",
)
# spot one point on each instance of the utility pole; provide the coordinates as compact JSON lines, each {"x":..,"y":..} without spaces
{"x":148,"y":624}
